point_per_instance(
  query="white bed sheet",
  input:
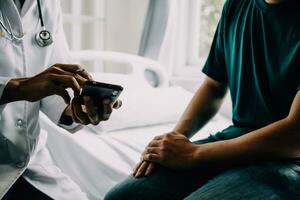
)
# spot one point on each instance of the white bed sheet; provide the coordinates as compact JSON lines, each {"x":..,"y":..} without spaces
{"x":98,"y":162}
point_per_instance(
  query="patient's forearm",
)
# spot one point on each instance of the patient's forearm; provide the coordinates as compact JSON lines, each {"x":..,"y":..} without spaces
{"x":204,"y":105}
{"x":280,"y":140}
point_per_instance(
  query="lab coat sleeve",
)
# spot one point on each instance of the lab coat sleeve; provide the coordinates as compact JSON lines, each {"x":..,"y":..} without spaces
{"x":3,"y":82}
{"x":54,"y":106}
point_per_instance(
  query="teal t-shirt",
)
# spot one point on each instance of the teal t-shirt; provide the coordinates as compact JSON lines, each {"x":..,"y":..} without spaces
{"x":256,"y":53}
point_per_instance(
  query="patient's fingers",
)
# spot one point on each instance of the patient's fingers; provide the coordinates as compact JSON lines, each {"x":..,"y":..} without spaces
{"x":142,"y":169}
{"x":159,"y":137}
{"x":151,"y":150}
{"x":137,"y":167}
{"x":154,"y":143}
{"x":153,"y":158}
{"x":150,"y":169}
{"x":152,"y":154}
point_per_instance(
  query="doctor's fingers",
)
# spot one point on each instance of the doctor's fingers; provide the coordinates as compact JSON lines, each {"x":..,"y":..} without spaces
{"x":107,"y":109}
{"x":65,"y":81}
{"x":79,"y":116}
{"x":61,"y":92}
{"x":117,"y":104}
{"x":74,"y":69}
{"x":56,"y":70}
{"x":91,"y":110}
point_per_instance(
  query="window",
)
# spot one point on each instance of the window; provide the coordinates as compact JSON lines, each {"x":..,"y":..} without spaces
{"x":83,"y":23}
{"x":202,"y":19}
{"x":116,"y":25}
{"x":209,"y":14}
{"x":112,"y":25}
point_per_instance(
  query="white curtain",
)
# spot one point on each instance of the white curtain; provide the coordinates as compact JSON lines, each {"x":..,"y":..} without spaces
{"x":164,"y":32}
{"x":154,"y":28}
{"x":173,"y":49}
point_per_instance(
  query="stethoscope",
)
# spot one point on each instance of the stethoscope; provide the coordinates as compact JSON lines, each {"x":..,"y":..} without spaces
{"x":43,"y":38}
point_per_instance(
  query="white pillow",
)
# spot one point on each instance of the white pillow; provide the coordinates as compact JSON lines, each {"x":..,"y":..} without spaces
{"x":146,"y":106}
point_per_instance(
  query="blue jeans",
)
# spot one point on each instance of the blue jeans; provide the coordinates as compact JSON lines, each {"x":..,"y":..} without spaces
{"x":264,"y":181}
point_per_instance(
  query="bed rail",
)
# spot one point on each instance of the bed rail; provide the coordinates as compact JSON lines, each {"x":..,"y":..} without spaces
{"x":138,"y":64}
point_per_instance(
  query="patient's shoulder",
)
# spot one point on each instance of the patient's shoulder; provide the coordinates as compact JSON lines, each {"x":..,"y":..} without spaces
{"x":234,"y":8}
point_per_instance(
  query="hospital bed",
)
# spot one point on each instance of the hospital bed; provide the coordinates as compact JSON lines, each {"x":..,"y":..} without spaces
{"x":97,"y":158}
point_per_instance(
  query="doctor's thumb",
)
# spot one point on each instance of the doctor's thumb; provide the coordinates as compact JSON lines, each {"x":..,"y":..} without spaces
{"x":64,"y":94}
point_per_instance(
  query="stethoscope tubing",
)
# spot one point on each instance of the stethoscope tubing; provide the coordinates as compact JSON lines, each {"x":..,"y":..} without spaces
{"x":9,"y":31}
{"x":39,"y":40}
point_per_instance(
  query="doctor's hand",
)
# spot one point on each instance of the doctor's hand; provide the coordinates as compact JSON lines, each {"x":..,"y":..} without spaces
{"x":53,"y":81}
{"x":172,"y":150}
{"x":91,"y":112}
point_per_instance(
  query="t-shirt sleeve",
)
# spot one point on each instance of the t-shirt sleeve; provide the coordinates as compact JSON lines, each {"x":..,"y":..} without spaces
{"x":215,"y":66}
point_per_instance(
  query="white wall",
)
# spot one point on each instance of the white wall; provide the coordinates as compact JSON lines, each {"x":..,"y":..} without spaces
{"x":123,"y":28}
{"x":113,"y":25}
{"x":119,"y":23}
{"x":124,"y":24}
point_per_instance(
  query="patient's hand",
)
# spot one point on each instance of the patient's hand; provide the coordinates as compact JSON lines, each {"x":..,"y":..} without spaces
{"x":144,"y":168}
{"x":172,"y":150}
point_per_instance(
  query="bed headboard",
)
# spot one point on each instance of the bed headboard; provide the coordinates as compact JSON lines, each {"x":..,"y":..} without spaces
{"x":141,"y":68}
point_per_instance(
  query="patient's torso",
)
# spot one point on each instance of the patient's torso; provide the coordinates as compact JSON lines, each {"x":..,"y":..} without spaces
{"x":262,"y":57}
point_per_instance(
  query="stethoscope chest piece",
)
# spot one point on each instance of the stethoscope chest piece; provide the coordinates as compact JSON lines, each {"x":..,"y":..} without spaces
{"x":43,"y":38}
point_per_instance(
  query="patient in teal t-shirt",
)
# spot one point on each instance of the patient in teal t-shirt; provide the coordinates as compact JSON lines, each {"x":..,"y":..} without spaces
{"x":256,"y":56}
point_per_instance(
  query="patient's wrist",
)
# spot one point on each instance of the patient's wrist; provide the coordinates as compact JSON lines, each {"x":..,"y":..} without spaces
{"x":182,"y":130}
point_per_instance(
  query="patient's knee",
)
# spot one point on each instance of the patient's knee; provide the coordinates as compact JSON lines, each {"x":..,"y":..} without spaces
{"x":114,"y":194}
{"x":135,"y":189}
{"x":122,"y":191}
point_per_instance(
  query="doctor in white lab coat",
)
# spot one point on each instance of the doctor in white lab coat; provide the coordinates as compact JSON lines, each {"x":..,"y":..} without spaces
{"x":30,"y":81}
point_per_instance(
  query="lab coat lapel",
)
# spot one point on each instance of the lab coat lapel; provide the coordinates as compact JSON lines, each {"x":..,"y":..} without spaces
{"x":10,"y":11}
{"x":27,"y":6}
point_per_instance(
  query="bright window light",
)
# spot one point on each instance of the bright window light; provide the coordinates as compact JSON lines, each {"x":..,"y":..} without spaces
{"x":209,"y":13}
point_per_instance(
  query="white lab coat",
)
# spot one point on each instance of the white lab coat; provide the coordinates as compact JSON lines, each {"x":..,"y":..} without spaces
{"x":22,"y":142}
